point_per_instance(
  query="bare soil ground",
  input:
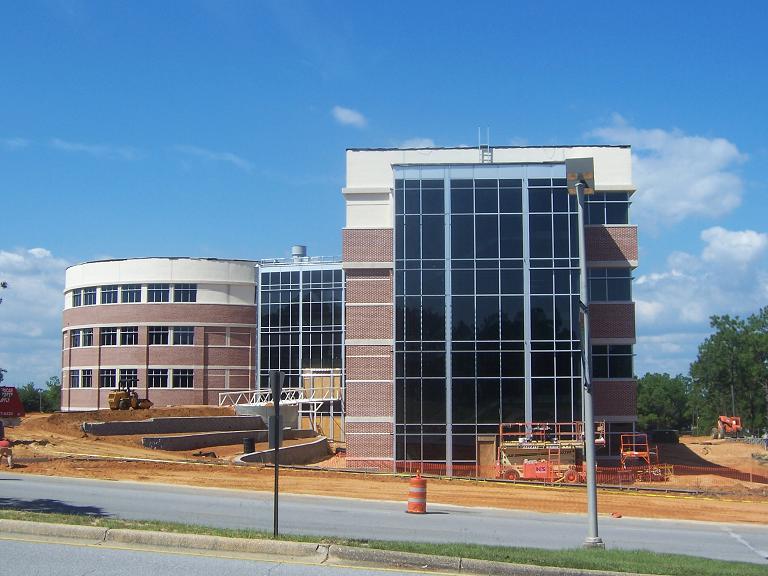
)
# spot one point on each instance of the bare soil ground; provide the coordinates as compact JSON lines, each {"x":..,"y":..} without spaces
{"x":55,"y":445}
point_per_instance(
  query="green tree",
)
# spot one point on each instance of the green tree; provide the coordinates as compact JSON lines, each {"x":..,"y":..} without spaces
{"x":52,"y":395}
{"x":30,"y":397}
{"x":662,"y":401}
{"x":730,"y":373}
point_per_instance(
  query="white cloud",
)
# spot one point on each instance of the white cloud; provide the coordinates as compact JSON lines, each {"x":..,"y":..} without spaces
{"x":739,"y":248}
{"x":417,"y":143}
{"x":14,"y":143}
{"x":228,"y":157}
{"x":349,"y":117}
{"x":728,"y":276}
{"x":30,"y":314}
{"x":96,"y":150}
{"x":678,"y":175}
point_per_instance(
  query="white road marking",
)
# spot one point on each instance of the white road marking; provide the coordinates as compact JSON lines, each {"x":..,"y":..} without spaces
{"x":763,"y":554}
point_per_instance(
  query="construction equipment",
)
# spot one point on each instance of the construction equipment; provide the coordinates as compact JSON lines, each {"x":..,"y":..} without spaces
{"x":125,"y":398}
{"x":638,"y":456}
{"x":727,"y":426}
{"x":544,"y":451}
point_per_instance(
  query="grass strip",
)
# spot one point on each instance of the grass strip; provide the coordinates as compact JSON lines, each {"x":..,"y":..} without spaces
{"x":637,"y":561}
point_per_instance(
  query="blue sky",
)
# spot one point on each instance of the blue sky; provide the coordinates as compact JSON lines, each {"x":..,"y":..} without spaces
{"x":219,"y":129}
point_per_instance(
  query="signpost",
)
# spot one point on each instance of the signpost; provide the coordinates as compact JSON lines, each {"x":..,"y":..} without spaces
{"x":275,"y":437}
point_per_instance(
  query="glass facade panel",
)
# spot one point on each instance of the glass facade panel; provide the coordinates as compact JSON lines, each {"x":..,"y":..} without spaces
{"x":511,"y":247}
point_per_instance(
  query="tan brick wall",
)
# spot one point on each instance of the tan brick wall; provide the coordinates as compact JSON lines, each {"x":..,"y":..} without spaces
{"x":372,"y":368}
{"x":160,"y":314}
{"x":615,"y":398}
{"x":606,"y":243}
{"x":368,"y":245}
{"x":609,"y":320}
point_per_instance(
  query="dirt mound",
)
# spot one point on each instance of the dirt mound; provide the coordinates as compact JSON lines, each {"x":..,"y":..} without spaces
{"x":704,"y":452}
{"x":69,"y":423}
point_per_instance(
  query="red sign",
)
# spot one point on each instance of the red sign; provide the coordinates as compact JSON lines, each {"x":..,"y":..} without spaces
{"x":10,"y":403}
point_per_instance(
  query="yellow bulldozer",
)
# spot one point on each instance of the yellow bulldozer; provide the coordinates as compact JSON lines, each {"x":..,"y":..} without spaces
{"x":124,"y":398}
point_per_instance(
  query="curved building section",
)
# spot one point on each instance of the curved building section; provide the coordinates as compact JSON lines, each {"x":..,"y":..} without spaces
{"x":180,"y":330}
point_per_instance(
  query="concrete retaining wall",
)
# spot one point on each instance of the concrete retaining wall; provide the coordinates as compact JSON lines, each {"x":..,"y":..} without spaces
{"x":290,"y":455}
{"x":210,"y":439}
{"x":289,"y":413}
{"x":175,"y":424}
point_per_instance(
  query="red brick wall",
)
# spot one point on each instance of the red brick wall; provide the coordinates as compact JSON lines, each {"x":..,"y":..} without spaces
{"x":369,"y":322}
{"x":367,"y":245}
{"x":605,"y":243}
{"x":615,"y":398}
{"x":608,"y":320}
{"x":362,"y":288}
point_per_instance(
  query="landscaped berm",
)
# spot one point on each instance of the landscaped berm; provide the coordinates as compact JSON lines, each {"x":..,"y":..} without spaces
{"x":57,"y":445}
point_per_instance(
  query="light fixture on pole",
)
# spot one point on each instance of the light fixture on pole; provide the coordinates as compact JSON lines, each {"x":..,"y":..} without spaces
{"x":581,"y":182}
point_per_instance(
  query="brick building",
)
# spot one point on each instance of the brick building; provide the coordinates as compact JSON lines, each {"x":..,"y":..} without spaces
{"x":462,"y":297}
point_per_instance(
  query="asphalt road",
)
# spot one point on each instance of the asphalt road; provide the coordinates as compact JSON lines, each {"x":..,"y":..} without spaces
{"x":365,"y":519}
{"x":33,"y":558}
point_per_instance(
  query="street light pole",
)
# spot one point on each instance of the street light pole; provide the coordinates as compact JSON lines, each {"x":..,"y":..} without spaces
{"x":592,"y":540}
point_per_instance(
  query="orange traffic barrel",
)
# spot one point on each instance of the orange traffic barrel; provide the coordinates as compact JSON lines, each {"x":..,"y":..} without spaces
{"x":417,"y":495}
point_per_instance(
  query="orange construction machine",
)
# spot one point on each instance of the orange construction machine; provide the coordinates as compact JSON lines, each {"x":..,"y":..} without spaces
{"x":543,"y":451}
{"x":727,"y":426}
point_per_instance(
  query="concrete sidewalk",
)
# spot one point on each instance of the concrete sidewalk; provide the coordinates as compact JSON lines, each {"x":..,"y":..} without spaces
{"x":277,"y":549}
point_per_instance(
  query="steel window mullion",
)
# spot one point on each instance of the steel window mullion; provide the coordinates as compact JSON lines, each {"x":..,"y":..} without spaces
{"x":527,"y":303}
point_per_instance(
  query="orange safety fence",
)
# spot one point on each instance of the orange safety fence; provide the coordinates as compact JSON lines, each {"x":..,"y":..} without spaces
{"x":672,"y":475}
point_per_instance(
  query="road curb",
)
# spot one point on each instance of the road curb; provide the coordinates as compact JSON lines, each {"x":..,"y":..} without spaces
{"x":219,"y":543}
{"x":55,"y":530}
{"x":391,"y":558}
{"x":308,"y":552}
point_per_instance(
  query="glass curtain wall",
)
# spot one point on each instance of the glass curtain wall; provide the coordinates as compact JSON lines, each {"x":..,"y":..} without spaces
{"x":302,"y":321}
{"x":486,"y":305}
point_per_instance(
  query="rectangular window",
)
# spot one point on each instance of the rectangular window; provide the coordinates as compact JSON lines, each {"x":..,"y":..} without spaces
{"x":612,"y":361}
{"x":74,"y":379}
{"x":183,"y":378}
{"x":184,"y":335}
{"x":77,"y":297}
{"x":130,"y":293}
{"x":74,"y":338}
{"x":610,"y":284}
{"x":109,"y":294}
{"x":157,"y":378}
{"x":608,"y":208}
{"x":86,"y":381}
{"x":158,"y":335}
{"x":108,"y":337}
{"x":89,"y":296}
{"x":185,"y":292}
{"x":107,"y":378}
{"x":129,"y":377}
{"x":86,"y":337}
{"x":129,"y":335}
{"x":158,"y":293}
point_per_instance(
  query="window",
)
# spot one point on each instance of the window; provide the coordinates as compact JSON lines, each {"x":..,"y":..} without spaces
{"x":74,"y":379}
{"x":607,"y":208}
{"x":77,"y":297}
{"x":109,"y":294}
{"x":157,"y":378}
{"x":612,"y":361}
{"x":74,"y":338}
{"x":130,"y":293}
{"x":86,"y":337}
{"x":89,"y":296}
{"x":129,"y":335}
{"x":183,"y":378}
{"x":184,"y":335}
{"x":610,"y":284}
{"x":158,"y":293}
{"x":108,"y":337}
{"x":107,"y":378}
{"x":185,"y":292}
{"x":129,"y":377}
{"x":158,"y":335}
{"x":86,"y":380}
